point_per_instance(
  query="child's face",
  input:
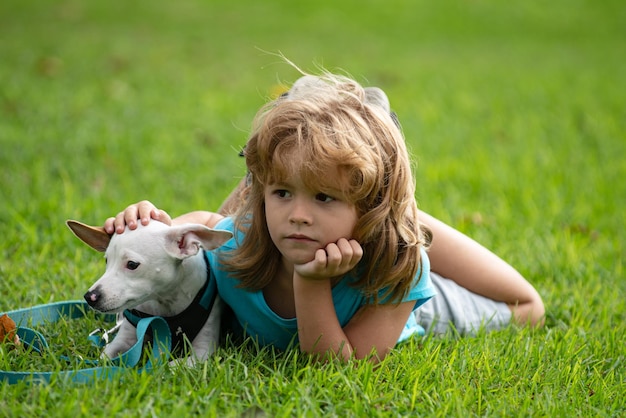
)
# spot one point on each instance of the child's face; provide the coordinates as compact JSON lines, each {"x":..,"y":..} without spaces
{"x":301,"y":221}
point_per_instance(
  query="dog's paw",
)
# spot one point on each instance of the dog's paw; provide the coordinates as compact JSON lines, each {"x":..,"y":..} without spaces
{"x":114,"y":350}
{"x":181,"y":362}
{"x":191,"y":360}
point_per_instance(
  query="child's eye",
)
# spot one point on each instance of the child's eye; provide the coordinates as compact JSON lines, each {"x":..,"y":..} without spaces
{"x":323,"y":197}
{"x":281,"y":193}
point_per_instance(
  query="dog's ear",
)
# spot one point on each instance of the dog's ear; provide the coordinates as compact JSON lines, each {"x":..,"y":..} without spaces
{"x":183,"y":241}
{"x":94,"y":236}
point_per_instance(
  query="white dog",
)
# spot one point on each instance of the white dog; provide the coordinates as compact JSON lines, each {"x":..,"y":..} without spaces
{"x":157,"y":270}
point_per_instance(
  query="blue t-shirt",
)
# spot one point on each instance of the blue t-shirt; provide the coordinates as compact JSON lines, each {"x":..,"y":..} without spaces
{"x":257,"y":320}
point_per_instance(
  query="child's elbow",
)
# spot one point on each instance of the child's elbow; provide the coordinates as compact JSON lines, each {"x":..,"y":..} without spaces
{"x":530,"y":313}
{"x":537,"y":314}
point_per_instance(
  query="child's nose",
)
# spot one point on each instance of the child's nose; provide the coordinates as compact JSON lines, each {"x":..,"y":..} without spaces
{"x":300,"y":213}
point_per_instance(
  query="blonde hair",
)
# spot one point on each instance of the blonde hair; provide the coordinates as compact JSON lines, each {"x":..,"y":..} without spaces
{"x":324,"y":125}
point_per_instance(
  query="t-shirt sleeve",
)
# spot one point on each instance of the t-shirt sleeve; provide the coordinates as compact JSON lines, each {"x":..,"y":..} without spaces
{"x":421,"y":290}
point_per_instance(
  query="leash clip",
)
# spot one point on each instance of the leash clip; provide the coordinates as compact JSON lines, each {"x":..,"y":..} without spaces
{"x":104,"y":333}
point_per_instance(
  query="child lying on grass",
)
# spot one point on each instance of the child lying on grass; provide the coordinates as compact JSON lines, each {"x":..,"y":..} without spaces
{"x":330,"y":250}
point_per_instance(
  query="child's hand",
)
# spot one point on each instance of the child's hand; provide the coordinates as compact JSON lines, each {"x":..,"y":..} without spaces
{"x":334,"y":260}
{"x":144,"y":211}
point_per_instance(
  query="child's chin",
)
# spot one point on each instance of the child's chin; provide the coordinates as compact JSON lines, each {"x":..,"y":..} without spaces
{"x":300,"y":258}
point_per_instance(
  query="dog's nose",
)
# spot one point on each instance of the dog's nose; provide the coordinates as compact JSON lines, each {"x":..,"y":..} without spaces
{"x":92,"y":297}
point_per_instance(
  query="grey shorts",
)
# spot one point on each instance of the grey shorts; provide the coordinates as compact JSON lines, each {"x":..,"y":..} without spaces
{"x":457,"y":310}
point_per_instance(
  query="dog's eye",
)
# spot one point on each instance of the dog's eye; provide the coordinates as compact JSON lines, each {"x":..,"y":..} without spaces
{"x":132,"y":265}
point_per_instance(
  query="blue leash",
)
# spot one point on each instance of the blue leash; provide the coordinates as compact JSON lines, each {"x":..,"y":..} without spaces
{"x":41,"y":314}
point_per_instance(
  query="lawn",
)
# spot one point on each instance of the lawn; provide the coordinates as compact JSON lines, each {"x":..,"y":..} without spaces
{"x":515,"y":116}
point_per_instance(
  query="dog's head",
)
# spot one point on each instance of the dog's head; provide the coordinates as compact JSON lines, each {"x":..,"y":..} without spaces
{"x":143,"y":264}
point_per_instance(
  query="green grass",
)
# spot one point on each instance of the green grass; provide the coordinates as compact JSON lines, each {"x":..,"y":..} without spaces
{"x":515,"y":114}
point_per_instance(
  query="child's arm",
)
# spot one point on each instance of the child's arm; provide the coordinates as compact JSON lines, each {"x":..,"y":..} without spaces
{"x":144,"y":211}
{"x":458,"y":257}
{"x":374,"y":328}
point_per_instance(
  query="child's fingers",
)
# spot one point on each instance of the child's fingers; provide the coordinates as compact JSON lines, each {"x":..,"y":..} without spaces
{"x":126,"y":218}
{"x":333,"y":260}
{"x":161,"y":216}
{"x":331,"y":256}
{"x":119,"y":224}
{"x":351,"y":252}
{"x":145,"y":211}
{"x":343,"y":255}
{"x":109,"y":225}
